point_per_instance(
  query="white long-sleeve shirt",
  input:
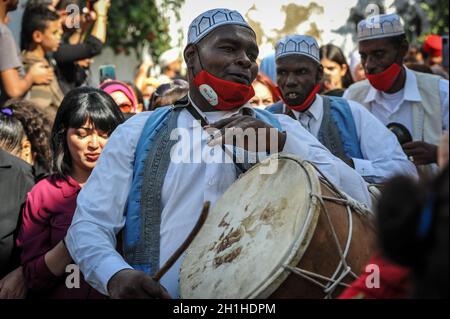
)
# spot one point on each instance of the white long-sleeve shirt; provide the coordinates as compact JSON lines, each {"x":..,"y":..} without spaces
{"x":397,"y":108}
{"x":100,"y":205}
{"x":383,"y":155}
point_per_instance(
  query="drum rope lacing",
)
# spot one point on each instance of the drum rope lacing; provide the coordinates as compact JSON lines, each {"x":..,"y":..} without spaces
{"x":343,"y":269}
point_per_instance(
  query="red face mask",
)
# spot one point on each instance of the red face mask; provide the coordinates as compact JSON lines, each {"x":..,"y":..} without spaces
{"x":306,"y":104}
{"x":222,"y":95}
{"x":384,"y":81}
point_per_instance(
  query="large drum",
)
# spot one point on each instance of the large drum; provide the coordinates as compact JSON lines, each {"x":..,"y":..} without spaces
{"x":283,"y":235}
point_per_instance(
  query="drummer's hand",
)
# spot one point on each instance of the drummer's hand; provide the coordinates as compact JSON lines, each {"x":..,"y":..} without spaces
{"x":134,"y":284}
{"x":421,"y":153}
{"x":236,"y":126}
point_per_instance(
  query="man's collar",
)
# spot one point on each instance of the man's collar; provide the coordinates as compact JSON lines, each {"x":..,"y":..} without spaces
{"x":412,"y":92}
{"x":315,"y":109}
{"x":411,"y":89}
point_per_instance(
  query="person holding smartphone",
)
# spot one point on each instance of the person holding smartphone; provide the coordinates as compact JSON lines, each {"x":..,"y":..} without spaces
{"x":75,"y":54}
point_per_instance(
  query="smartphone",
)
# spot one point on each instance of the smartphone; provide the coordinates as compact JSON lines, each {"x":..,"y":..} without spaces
{"x":445,"y":52}
{"x":107,"y":72}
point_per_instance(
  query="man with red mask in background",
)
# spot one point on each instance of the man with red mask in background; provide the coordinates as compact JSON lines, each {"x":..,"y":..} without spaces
{"x":153,"y":184}
{"x":395,"y":94}
{"x":344,"y":127}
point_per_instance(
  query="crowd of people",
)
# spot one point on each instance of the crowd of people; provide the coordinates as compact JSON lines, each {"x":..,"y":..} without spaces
{"x":379,"y":122}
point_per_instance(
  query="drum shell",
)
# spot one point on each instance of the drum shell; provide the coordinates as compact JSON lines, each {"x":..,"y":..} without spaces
{"x":322,"y":256}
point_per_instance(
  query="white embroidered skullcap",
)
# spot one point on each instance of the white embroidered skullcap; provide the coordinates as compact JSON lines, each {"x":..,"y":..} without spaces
{"x":210,"y":20}
{"x":298,"y":45}
{"x":168,"y":57}
{"x":380,"y":26}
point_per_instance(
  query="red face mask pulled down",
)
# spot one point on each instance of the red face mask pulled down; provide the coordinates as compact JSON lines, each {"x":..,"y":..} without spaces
{"x":222,"y":95}
{"x":384,"y":81}
{"x":306,"y":104}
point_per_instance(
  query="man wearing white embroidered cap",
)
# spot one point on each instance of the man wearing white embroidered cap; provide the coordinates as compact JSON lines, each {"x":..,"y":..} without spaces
{"x":170,"y":63}
{"x":345,"y":127}
{"x":397,"y":95}
{"x":138,"y":187}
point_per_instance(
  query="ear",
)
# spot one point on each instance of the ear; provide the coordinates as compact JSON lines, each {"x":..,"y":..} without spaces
{"x":26,"y":153}
{"x":344,"y":69}
{"x":190,"y":55}
{"x":404,"y":48}
{"x":37,"y":36}
{"x":319,"y":73}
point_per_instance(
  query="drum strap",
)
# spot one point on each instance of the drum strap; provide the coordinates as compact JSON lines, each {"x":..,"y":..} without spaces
{"x":204,"y":122}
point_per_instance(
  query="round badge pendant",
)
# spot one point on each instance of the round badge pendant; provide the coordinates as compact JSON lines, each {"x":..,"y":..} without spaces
{"x":209,"y":94}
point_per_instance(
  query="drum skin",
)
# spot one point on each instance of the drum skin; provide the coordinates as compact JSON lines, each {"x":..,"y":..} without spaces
{"x":262,"y":223}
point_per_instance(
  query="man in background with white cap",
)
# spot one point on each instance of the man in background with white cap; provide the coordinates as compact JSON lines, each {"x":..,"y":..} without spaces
{"x":140,"y":187}
{"x":346,"y":128}
{"x":395,"y":94}
{"x":170,"y":64}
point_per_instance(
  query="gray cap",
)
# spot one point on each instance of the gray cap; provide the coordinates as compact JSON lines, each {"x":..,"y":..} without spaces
{"x":298,"y":45}
{"x":380,"y":26}
{"x":210,"y":20}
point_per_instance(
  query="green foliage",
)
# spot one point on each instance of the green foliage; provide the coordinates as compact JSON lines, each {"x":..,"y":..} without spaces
{"x":437,"y":12}
{"x":133,"y":23}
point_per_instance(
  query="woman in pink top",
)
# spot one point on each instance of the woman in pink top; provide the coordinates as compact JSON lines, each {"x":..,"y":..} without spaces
{"x":83,"y":124}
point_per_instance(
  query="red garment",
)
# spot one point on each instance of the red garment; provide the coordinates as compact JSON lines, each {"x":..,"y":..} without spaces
{"x":394,"y":282}
{"x":433,"y":45}
{"x":47,"y":215}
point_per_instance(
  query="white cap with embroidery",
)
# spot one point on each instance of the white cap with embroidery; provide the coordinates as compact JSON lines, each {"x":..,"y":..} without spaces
{"x":298,"y":45}
{"x":212,"y":19}
{"x":380,"y":26}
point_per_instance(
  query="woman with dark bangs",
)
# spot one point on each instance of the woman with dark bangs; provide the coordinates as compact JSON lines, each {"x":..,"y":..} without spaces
{"x":336,"y":71}
{"x":83,"y":124}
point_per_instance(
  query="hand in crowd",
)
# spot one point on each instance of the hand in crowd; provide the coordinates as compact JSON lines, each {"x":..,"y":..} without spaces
{"x":101,"y":7}
{"x":237,"y":126}
{"x":86,"y":63}
{"x":87,"y":19}
{"x":421,"y":153}
{"x":134,"y":284}
{"x":41,"y":73}
{"x":13,"y":285}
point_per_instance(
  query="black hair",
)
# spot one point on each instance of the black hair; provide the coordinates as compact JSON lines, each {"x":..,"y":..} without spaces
{"x":35,"y":18}
{"x":37,"y":129}
{"x":413,"y":224}
{"x":78,"y":106}
{"x":11,"y":133}
{"x":335,"y":54}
